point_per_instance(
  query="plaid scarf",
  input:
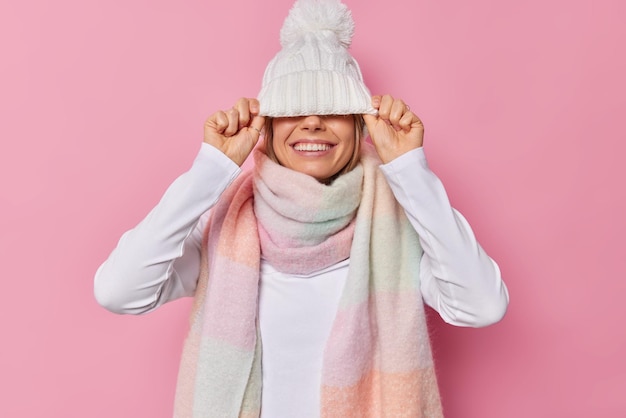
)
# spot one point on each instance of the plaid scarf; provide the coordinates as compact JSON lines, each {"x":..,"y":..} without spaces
{"x":377,"y":360}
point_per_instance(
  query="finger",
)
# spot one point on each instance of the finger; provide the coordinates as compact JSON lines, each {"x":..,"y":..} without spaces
{"x":376,"y":101}
{"x":255,"y":106}
{"x":218,"y":121}
{"x":406,"y":121}
{"x":370,"y":121}
{"x":243,"y":108}
{"x":257,"y":124}
{"x":398,"y":108}
{"x":384,"y":110}
{"x":417,"y":122}
{"x":233,"y":122}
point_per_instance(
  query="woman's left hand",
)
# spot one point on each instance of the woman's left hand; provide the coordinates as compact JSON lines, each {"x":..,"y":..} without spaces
{"x":395,"y":130}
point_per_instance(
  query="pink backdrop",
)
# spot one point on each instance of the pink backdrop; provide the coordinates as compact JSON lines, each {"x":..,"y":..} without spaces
{"x":102,"y":105}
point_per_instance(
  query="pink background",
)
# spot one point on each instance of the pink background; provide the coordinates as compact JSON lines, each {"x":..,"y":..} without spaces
{"x":102,"y":105}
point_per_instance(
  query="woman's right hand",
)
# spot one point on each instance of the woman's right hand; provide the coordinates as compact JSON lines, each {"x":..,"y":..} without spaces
{"x":236,"y":131}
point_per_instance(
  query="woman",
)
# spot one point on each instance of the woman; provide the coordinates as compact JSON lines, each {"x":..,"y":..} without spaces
{"x":310,"y":271}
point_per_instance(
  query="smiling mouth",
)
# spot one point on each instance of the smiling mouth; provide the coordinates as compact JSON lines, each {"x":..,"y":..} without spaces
{"x":311,"y":147}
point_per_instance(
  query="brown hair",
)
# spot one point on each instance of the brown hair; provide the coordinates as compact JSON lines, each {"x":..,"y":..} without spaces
{"x":359,"y":128}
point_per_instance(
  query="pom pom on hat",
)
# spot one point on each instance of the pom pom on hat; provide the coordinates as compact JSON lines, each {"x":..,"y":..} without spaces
{"x":318,"y":15}
{"x":314,"y":74}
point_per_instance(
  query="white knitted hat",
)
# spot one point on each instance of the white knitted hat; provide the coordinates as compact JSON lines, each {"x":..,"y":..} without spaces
{"x":314,"y":74}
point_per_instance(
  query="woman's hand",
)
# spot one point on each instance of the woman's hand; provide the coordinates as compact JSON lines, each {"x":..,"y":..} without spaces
{"x":236,"y":131}
{"x":395,"y":130}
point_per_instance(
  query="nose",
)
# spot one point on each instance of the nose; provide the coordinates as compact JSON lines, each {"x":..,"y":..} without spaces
{"x":312,"y":123}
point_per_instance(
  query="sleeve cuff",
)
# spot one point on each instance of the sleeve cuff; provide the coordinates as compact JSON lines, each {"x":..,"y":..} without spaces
{"x":209,"y":156}
{"x":410,"y":159}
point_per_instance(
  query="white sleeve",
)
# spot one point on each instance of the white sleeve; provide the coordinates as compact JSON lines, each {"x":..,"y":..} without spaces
{"x":458,"y":279}
{"x":159,"y":260}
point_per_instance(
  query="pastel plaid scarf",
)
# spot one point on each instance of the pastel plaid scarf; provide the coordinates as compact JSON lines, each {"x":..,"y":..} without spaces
{"x":377,"y":361}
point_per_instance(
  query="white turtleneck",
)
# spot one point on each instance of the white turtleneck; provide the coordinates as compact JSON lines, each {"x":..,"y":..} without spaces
{"x":159,"y":260}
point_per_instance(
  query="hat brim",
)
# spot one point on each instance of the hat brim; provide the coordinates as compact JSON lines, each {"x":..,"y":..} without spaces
{"x":318,"y":92}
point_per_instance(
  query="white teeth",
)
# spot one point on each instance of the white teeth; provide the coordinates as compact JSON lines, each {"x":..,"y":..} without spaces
{"x":311,"y":147}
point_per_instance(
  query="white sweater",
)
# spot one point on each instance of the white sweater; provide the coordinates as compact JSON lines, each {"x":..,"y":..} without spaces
{"x":159,"y":261}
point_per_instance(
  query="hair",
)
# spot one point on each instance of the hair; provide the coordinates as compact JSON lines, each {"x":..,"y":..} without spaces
{"x":359,"y":133}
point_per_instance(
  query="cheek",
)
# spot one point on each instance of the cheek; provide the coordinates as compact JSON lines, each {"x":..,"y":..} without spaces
{"x":344,"y":128}
{"x":348,"y":136}
{"x":348,"y":152}
{"x":280,"y":133}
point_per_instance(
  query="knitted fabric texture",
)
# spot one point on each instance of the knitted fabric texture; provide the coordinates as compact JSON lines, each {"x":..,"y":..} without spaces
{"x":377,"y":360}
{"x":314,"y":74}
